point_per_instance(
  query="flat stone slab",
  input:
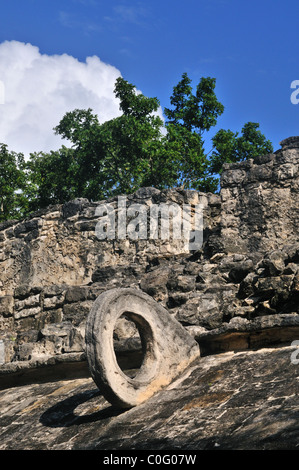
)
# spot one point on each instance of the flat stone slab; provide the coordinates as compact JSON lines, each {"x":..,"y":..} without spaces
{"x":246,"y":400}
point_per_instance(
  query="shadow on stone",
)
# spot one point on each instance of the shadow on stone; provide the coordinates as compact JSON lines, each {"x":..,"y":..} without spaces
{"x":63,"y":413}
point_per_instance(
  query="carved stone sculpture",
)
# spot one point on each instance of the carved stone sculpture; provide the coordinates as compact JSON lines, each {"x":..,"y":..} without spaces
{"x":167,"y":347}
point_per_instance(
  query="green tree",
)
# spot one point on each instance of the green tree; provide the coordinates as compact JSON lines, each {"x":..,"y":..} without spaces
{"x":119,"y":155}
{"x":190,"y":118}
{"x":128,"y":152}
{"x":12,"y":182}
{"x":230,"y":147}
{"x":50,"y":178}
{"x":195,"y":112}
{"x":136,"y":149}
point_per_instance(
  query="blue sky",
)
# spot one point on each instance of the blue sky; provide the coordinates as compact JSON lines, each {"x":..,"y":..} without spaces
{"x":251,"y":48}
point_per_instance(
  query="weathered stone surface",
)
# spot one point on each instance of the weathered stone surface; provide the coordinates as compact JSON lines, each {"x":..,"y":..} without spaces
{"x":207,"y":293}
{"x":260,"y":202}
{"x":6,"y":305}
{"x":237,"y":401}
{"x":58,"y":245}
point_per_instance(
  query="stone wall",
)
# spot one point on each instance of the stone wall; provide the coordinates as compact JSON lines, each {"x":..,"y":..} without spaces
{"x":259,"y":198}
{"x":59,"y":245}
{"x":240,"y":290}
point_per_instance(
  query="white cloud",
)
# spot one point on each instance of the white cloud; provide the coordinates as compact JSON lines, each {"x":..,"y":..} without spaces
{"x":39,"y":89}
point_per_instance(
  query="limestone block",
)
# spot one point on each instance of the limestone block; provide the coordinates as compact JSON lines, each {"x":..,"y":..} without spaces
{"x":167,"y":347}
{"x":27,"y":312}
{"x":53,"y":302}
{"x":203,"y":309}
{"x":30,"y":302}
{"x":232,"y":177}
{"x":6,"y":305}
{"x":286,"y":171}
{"x":275,"y":262}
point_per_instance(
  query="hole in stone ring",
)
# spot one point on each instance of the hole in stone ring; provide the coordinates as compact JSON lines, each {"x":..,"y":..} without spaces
{"x":134,"y":346}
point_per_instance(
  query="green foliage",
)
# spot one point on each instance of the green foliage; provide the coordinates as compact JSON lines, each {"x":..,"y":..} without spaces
{"x":229,"y":147}
{"x":50,"y":178}
{"x":192,"y":115}
{"x":12,"y":181}
{"x":199,"y":112}
{"x":128,"y":152}
{"x":120,"y":155}
{"x":134,"y":104}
